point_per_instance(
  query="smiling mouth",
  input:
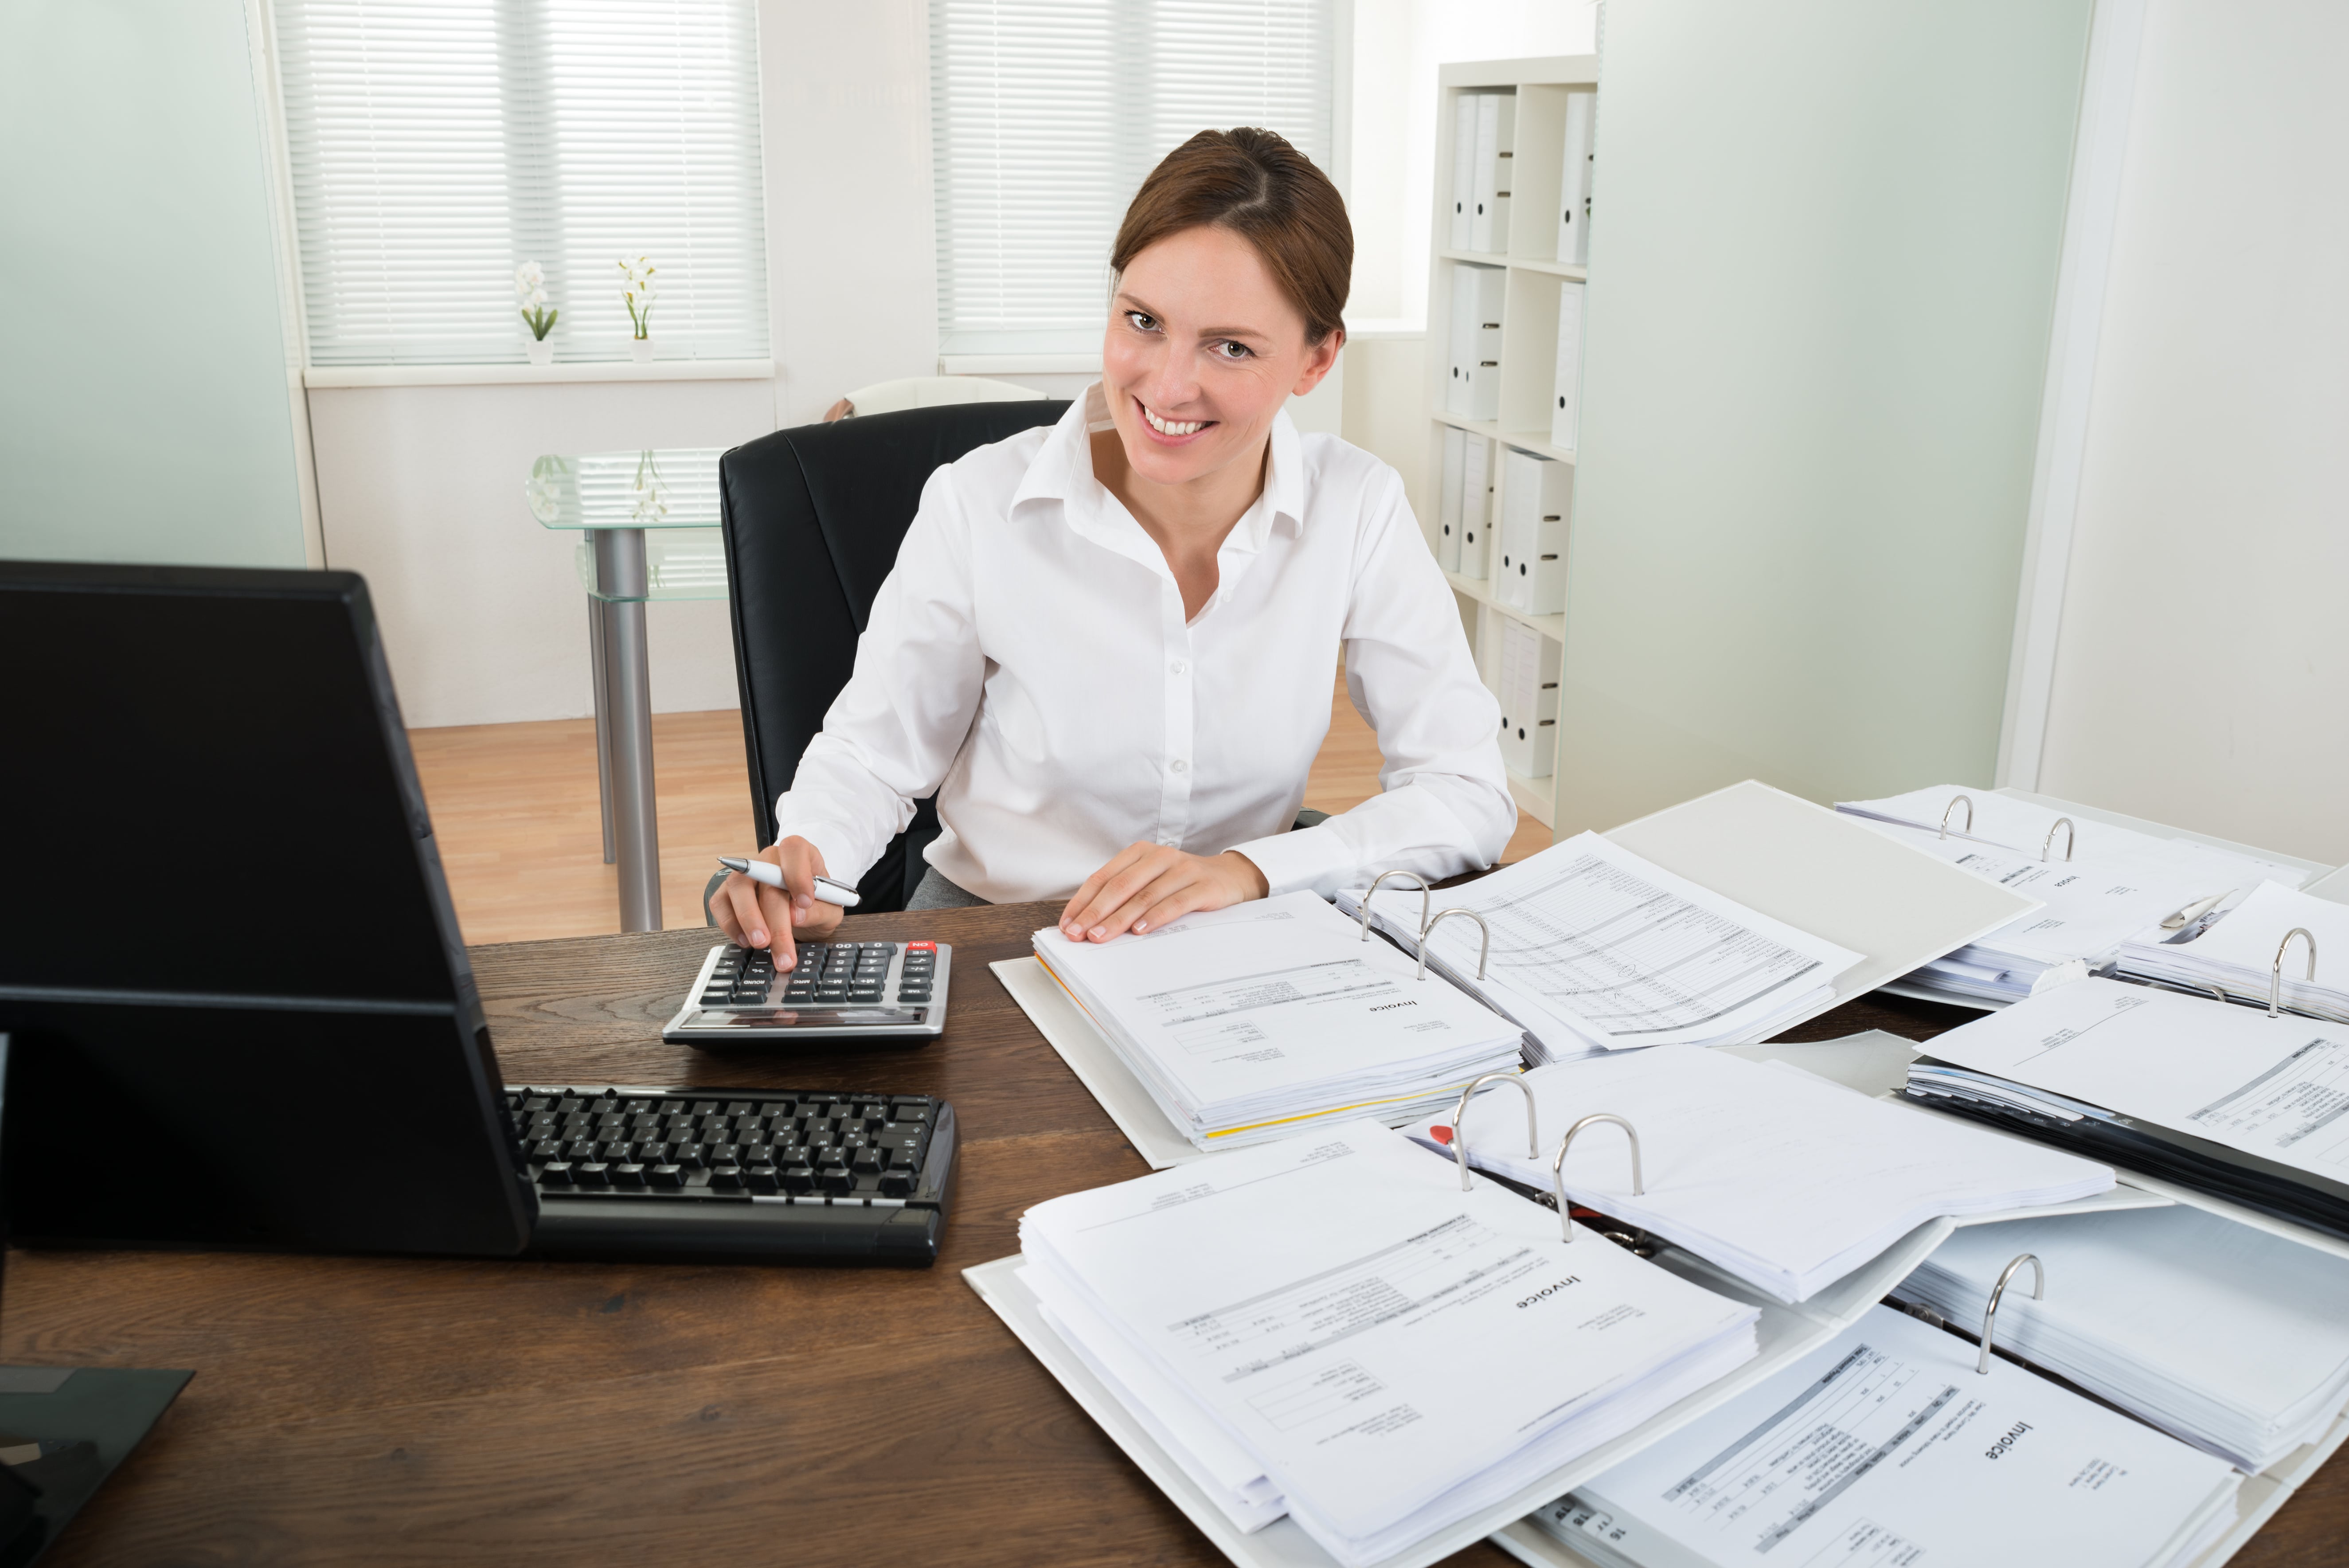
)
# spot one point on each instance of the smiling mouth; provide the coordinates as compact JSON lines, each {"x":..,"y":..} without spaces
{"x":1171,"y":427}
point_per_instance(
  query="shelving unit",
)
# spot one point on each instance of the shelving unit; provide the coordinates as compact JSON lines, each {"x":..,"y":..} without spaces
{"x":1529,"y":320}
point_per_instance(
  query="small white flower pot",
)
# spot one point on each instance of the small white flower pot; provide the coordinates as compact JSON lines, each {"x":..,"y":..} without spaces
{"x":640,"y":349}
{"x":541,"y":352}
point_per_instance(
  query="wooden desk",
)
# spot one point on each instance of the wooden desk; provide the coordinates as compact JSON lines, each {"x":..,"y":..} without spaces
{"x":356,"y":1410}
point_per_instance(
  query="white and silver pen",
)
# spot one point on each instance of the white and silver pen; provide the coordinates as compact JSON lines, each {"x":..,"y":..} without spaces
{"x":772,"y":875}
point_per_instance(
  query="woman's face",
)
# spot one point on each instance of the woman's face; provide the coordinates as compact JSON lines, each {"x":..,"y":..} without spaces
{"x":1202,"y":349}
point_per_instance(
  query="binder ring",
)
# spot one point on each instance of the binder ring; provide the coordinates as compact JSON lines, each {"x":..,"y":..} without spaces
{"x":1423,"y":897}
{"x":1484,"y":948}
{"x":1955,"y":801}
{"x":1557,"y":1165}
{"x":1989,"y":1318}
{"x":1460,"y":1141}
{"x":2071,"y":838}
{"x":2275,"y":972}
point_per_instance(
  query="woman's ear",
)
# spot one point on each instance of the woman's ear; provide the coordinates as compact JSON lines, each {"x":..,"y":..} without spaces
{"x":1319,"y":358}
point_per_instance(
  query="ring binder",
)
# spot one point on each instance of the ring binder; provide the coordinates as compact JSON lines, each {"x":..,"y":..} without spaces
{"x":1557,"y":1165}
{"x":1990,"y":1317}
{"x":1425,"y":896}
{"x":1460,"y":1139}
{"x":2071,"y":837}
{"x":2275,"y":970}
{"x":1484,"y":948}
{"x":1955,"y":801}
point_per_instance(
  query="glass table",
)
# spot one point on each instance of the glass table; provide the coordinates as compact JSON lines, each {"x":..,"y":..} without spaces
{"x":649,"y":531}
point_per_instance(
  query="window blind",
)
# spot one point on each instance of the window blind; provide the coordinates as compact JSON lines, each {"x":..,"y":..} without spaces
{"x":1046,"y":114}
{"x":436,"y":145}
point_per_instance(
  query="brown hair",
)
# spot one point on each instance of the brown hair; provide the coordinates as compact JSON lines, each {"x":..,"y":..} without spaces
{"x":1256,"y":184}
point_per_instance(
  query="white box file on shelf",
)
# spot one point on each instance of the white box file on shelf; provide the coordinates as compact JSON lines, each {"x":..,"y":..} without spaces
{"x":1497,"y":120}
{"x":1463,"y":168}
{"x":1477,"y":296}
{"x":1529,"y":669}
{"x":1566,"y":406}
{"x":1475,"y":507}
{"x":1574,"y":178}
{"x":1447,"y":538}
{"x":1536,"y":503}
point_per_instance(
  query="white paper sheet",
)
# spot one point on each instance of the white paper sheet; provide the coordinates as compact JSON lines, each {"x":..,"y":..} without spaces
{"x":1394,"y":1351}
{"x":2275,"y":1088}
{"x":1886,"y":1449}
{"x":1591,"y":944}
{"x":2237,"y":952}
{"x":1781,"y":1178}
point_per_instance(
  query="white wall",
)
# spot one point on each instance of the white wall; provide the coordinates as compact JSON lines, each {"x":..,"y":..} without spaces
{"x":2202,"y":662}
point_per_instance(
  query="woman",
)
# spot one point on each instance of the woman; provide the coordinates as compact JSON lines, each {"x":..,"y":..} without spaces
{"x":1122,"y":629}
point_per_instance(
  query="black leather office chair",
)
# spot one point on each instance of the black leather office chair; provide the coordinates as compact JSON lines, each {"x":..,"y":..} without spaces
{"x":813,"y":520}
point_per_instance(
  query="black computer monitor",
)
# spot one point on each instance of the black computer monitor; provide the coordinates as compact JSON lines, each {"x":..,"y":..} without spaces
{"x":239,"y":1012}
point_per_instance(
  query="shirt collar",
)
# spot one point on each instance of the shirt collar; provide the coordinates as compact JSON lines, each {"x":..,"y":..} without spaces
{"x":1062,"y":470}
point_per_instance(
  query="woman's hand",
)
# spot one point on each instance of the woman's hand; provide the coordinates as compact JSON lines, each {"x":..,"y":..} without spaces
{"x":758,"y":916}
{"x":1147,"y":885}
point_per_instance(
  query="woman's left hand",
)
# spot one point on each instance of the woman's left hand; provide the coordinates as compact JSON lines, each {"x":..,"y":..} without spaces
{"x":1146,"y":884}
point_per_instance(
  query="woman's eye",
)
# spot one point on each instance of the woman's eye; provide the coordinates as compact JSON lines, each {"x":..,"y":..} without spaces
{"x":1142,"y":321}
{"x":1233,"y":350}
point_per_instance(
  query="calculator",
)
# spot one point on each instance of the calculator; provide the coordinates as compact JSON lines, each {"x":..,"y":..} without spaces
{"x":840,"y":991}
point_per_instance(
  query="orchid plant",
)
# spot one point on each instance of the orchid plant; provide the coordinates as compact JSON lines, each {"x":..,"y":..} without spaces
{"x":637,"y":293}
{"x":529,"y":288}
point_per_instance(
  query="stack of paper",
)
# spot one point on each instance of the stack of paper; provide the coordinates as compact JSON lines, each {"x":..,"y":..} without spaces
{"x":2237,"y":953}
{"x":1329,"y":1328}
{"x":1783,"y":1179}
{"x":1885,"y":1448}
{"x":2221,"y":1334}
{"x":2222,"y":1099}
{"x":1595,"y":948}
{"x":2098,"y":885}
{"x":1245,"y":1024}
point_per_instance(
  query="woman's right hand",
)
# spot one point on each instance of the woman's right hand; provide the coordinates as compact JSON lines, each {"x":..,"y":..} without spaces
{"x":778,"y":919}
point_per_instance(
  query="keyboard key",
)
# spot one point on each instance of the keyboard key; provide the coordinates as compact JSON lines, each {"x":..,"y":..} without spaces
{"x":897,"y":1184}
{"x":836,"y":1182}
{"x":557,"y":1174}
{"x":866,"y":1162}
{"x":666,"y":1177}
{"x":594,"y":1173}
{"x":762,"y":1178}
{"x":726,"y":1177}
{"x":798,"y":1178}
{"x":628,"y":1174}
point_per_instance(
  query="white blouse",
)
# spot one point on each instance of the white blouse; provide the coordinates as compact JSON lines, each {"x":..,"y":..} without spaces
{"x":1027,"y":661}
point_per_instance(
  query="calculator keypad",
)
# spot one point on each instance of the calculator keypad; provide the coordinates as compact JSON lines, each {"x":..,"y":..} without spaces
{"x":828,"y":975}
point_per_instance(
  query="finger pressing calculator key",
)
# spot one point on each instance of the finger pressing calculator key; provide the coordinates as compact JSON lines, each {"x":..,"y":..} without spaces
{"x":870,"y":991}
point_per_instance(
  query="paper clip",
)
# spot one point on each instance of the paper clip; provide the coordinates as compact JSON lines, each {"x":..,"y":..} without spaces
{"x":2071,"y":838}
{"x":2191,"y":912}
{"x":1955,"y":801}
{"x":1990,"y":1317}
{"x":1557,"y":1165}
{"x":1484,"y":948}
{"x":2275,"y":972}
{"x":1460,"y":1139}
{"x":1424,"y":898}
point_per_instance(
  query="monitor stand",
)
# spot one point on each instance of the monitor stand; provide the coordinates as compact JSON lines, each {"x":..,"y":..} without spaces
{"x":63,"y":1429}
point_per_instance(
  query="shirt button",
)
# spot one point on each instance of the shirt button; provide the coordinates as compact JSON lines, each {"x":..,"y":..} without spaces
{"x":1179,"y":765}
{"x":1178,"y":667}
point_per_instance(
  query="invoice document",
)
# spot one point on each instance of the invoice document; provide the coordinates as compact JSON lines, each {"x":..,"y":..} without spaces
{"x":1394,"y":1352}
{"x":1885,"y":1449}
{"x":1593,"y":947}
{"x":1782,"y":1178}
{"x":2274,"y":1088}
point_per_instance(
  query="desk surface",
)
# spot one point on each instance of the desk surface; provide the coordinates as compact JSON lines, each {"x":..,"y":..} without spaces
{"x":370,"y":1410}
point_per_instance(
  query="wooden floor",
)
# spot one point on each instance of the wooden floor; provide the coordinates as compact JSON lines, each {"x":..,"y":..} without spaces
{"x":521,"y":833}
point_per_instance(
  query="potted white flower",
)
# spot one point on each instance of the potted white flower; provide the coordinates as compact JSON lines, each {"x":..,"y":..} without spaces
{"x":530,"y":286}
{"x":636,"y":292}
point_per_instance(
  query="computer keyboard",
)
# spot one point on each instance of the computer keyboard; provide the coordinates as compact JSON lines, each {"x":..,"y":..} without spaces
{"x":755,"y":1174}
{"x":837,"y":991}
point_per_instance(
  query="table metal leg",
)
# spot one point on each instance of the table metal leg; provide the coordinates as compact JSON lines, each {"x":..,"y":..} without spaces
{"x":598,"y":676}
{"x":620,"y":571}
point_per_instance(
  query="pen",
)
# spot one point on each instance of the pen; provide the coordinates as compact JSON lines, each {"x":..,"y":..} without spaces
{"x":772,"y":875}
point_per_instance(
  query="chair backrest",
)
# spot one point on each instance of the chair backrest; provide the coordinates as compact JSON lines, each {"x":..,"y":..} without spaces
{"x":813,"y":518}
{"x":931,"y":391}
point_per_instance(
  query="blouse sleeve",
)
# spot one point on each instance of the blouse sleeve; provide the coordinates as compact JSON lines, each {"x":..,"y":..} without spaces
{"x":890,"y":734}
{"x":1444,"y":806}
